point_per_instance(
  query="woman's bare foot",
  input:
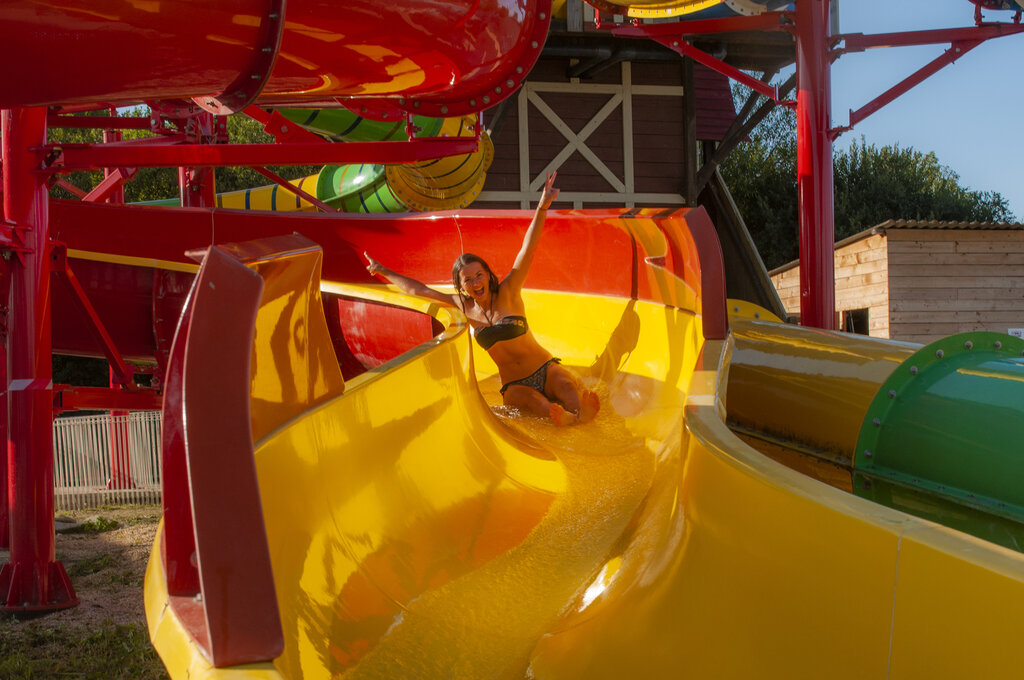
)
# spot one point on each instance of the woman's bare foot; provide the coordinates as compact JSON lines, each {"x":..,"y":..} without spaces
{"x":559,"y":416}
{"x":589,"y":406}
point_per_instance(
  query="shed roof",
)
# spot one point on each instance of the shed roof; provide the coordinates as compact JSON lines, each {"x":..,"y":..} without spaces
{"x":883,"y":227}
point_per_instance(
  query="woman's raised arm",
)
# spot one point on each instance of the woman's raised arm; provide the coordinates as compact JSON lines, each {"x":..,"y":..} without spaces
{"x":517,"y":277}
{"x":404,"y":283}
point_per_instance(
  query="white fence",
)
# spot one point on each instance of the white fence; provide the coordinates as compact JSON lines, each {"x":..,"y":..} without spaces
{"x":106,"y":460}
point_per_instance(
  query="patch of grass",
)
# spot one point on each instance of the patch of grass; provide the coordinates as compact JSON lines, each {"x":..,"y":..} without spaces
{"x":96,"y":525}
{"x":91,"y":565}
{"x":124,"y":578}
{"x":111,"y":651}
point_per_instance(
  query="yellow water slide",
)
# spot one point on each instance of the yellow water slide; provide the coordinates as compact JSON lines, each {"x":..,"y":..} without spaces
{"x":689,"y":9}
{"x":417,"y":528}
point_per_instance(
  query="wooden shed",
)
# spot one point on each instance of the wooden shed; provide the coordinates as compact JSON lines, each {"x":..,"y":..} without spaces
{"x":919,"y":280}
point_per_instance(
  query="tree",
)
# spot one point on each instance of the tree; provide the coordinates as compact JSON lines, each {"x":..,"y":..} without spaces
{"x":872,"y":184}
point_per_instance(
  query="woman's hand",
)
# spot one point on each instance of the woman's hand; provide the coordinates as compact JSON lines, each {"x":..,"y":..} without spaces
{"x":549,"y":194}
{"x":374,"y":267}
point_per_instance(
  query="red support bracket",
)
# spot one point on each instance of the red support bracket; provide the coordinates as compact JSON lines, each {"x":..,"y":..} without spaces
{"x":109,"y":185}
{"x":284,"y":131}
{"x":70,"y":188}
{"x":955,"y":51}
{"x":859,"y":42}
{"x":60,"y":266}
{"x":12,"y":239}
{"x":285,"y":184}
{"x":683,"y":48}
{"x":961,"y":41}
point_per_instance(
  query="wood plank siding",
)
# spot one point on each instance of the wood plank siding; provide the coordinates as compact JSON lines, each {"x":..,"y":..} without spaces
{"x":921,"y":285}
{"x":861,"y":273}
{"x":953,"y":281}
{"x":616,"y":139}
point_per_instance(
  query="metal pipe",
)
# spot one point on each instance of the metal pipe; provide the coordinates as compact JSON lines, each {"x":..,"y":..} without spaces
{"x":814,"y":164}
{"x":33,"y":579}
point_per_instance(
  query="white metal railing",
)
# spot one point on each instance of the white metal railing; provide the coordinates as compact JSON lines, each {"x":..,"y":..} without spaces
{"x":106,"y":460}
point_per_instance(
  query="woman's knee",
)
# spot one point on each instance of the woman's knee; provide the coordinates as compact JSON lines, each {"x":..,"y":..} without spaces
{"x":562,"y":379}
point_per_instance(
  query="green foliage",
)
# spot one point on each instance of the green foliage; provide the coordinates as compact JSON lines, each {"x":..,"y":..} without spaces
{"x":80,"y":371}
{"x":94,"y":526}
{"x":108,"y":652}
{"x":151,"y":184}
{"x":872,"y":184}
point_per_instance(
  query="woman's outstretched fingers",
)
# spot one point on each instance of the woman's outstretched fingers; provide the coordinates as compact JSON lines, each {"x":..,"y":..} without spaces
{"x":373,"y":267}
{"x":550,"y":193}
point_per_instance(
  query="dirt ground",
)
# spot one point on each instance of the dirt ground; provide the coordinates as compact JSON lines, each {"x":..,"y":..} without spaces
{"x":106,"y":565}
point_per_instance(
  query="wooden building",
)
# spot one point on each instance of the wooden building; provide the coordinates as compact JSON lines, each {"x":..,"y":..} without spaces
{"x":920,"y":281}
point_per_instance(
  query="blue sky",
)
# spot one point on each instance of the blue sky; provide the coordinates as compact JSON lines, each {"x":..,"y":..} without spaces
{"x":968,"y":113}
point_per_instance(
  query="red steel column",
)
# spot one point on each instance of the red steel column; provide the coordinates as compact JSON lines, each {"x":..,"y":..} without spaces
{"x":5,"y":292}
{"x":117,"y":195}
{"x":814,"y":164}
{"x":120,"y":445}
{"x":120,"y":465}
{"x":33,"y":579}
{"x":197,"y":186}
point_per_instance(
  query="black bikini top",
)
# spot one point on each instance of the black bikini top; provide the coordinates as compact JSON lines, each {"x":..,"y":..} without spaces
{"x":505,"y":329}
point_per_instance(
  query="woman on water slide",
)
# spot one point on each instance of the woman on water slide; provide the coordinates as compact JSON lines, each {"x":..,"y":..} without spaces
{"x":532,"y":379}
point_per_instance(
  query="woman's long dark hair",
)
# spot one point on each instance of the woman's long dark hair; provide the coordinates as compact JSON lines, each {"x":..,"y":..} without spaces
{"x":462,"y":261}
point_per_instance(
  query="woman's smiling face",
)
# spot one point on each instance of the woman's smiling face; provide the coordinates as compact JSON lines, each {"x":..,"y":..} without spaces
{"x":475,"y":282}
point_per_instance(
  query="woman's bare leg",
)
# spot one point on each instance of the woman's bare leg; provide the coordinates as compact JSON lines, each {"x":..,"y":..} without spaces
{"x":527,"y":399}
{"x":566,"y":388}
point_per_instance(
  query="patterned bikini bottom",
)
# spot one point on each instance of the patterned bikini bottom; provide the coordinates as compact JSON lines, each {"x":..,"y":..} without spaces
{"x":535,"y":380}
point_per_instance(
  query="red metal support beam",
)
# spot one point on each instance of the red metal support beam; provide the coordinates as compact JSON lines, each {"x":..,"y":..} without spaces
{"x":74,"y":398}
{"x":858,"y":42}
{"x":117,"y":176}
{"x":5,"y":295}
{"x":61,"y":267}
{"x":70,"y":188}
{"x":33,"y":580}
{"x":814,"y":164}
{"x":98,"y":122}
{"x":283,"y":130}
{"x":961,"y":41}
{"x":111,"y":186}
{"x":956,"y":50}
{"x":683,"y":48}
{"x":69,"y":157}
{"x":768,"y":21}
{"x":197,"y":185}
